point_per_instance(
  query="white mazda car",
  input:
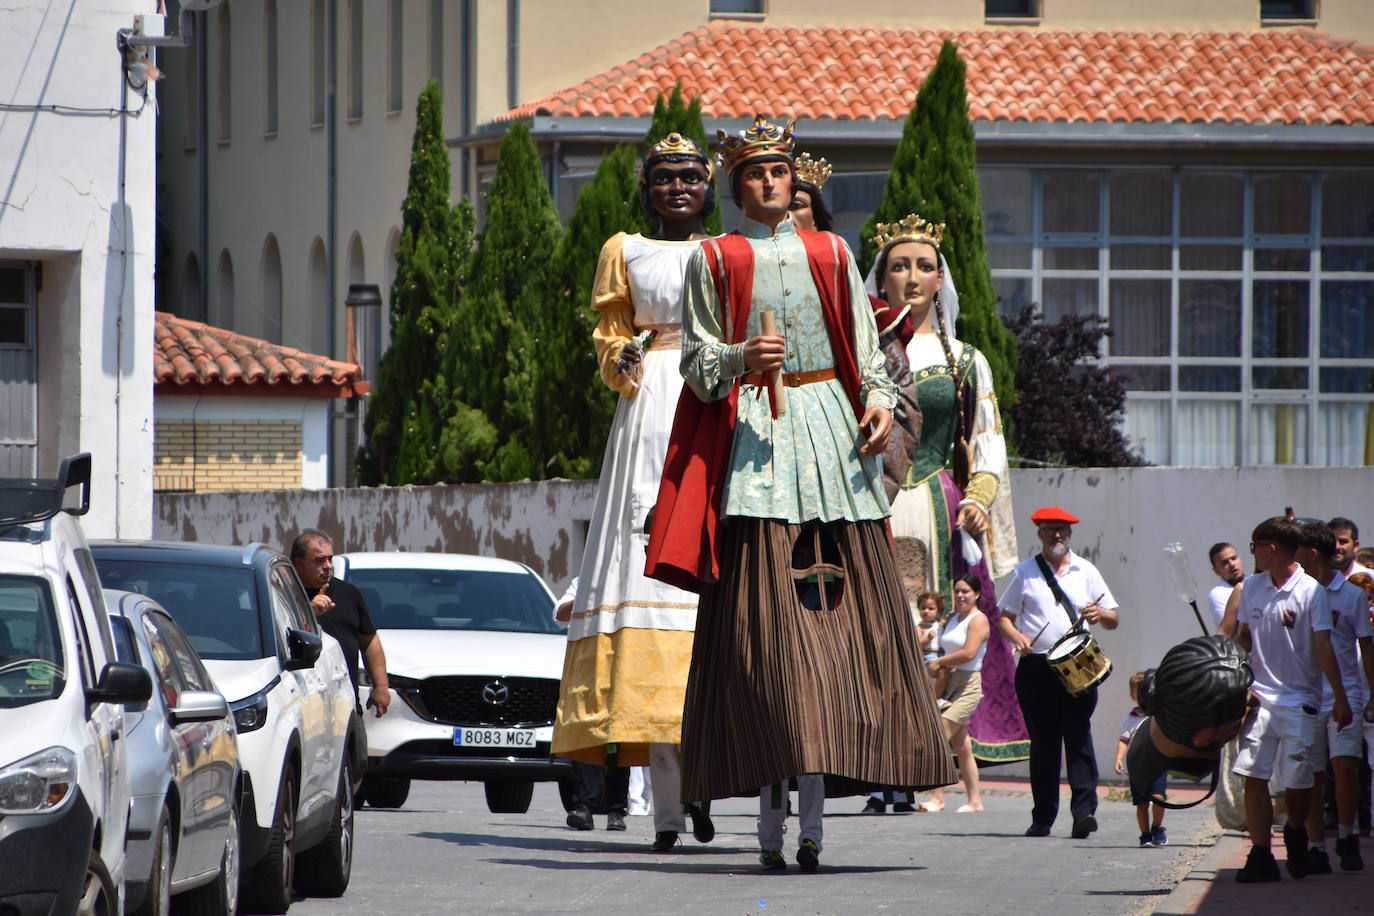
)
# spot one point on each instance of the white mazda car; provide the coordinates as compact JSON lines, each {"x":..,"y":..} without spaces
{"x":474,"y":659}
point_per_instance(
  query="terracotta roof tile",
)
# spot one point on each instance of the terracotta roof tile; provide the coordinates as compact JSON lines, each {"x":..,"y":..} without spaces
{"x":1277,"y":76}
{"x":198,"y":356}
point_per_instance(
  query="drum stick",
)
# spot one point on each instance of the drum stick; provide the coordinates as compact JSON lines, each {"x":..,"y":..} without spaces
{"x":1076,"y":622}
{"x":768,"y":323}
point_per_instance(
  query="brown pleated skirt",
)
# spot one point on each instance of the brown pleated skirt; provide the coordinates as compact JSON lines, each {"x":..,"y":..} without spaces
{"x":805,"y":661}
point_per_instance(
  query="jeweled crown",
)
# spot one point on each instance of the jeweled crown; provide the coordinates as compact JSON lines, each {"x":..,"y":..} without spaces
{"x":910,"y":228}
{"x":675,"y":144}
{"x":763,"y":139}
{"x":815,"y":172}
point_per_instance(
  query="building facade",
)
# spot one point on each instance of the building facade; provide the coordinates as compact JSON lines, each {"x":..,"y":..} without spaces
{"x":284,"y":151}
{"x":77,"y":144}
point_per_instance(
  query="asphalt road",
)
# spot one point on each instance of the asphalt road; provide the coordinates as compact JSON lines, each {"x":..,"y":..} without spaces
{"x":444,"y":853}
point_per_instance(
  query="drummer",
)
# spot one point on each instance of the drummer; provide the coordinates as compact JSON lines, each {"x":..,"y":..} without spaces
{"x":1033,"y":619}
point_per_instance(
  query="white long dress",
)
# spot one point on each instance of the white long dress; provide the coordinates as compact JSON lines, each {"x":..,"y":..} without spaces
{"x":630,"y":638}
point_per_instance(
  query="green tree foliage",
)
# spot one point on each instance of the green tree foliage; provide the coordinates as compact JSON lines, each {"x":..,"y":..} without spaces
{"x":674,"y":114}
{"x":496,"y":366}
{"x":1071,"y":410}
{"x":433,"y":261}
{"x":575,"y":393}
{"x":934,"y":173}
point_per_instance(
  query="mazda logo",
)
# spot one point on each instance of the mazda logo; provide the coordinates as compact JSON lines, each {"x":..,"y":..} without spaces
{"x":496,"y":693}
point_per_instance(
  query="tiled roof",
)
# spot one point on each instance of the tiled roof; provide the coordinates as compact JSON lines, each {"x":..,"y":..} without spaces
{"x":190,"y":357}
{"x":1275,"y":76}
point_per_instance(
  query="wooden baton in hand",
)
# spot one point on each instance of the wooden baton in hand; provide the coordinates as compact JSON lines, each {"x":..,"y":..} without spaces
{"x":769,"y":325}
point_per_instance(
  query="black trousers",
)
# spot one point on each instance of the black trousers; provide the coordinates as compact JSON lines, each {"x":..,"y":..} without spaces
{"x":592,"y":780}
{"x":1058,"y":724}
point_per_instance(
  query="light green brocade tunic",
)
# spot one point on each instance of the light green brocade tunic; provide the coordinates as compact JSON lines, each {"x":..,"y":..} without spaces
{"x":805,"y":465}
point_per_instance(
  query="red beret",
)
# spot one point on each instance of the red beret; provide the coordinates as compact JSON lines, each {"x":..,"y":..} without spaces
{"x":1053,"y":514}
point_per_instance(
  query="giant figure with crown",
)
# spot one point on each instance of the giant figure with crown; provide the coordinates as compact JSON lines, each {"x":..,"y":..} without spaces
{"x":805,"y":665}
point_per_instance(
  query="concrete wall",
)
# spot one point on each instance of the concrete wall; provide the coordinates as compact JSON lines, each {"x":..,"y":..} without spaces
{"x":1128,"y":518}
{"x":77,"y":198}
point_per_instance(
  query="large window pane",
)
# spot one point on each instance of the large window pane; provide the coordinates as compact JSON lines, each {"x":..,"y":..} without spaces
{"x":1280,"y":318}
{"x":1347,"y":319}
{"x":1143,"y":378}
{"x":1283,"y":205}
{"x":1069,"y":258}
{"x":1147,"y":426}
{"x":1209,"y":317}
{"x":1208,"y":433}
{"x":852,"y":198}
{"x":1348,"y":205}
{"x":1142,"y":203}
{"x":1067,"y":297}
{"x":1013,"y":294}
{"x":1346,"y":380}
{"x":1342,"y":434}
{"x":1009,"y":254}
{"x":1211,"y":204}
{"x":1348,"y":258}
{"x":1278,"y":378}
{"x":1139,"y":318}
{"x":1283,"y":258}
{"x":1141,"y":257}
{"x":1278,"y":434}
{"x":1210,"y":257}
{"x":1006,"y":197}
{"x":1070,"y":201}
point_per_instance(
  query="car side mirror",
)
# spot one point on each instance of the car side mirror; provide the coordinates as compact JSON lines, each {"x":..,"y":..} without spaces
{"x":302,"y":649}
{"x":198,"y":706}
{"x":121,"y":682}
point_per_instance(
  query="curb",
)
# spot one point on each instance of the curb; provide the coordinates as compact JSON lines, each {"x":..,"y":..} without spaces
{"x":1186,"y":895}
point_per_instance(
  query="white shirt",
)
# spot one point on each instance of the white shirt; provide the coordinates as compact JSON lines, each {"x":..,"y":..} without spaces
{"x":1349,"y":623}
{"x":954,"y":637}
{"x":1283,"y":654}
{"x":1029,"y":597}
{"x":1218,"y":596}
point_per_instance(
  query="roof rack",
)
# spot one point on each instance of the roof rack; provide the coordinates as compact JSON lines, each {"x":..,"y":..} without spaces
{"x":25,"y":499}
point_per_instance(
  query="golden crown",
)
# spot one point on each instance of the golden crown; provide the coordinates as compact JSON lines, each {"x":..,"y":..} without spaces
{"x":815,"y":172}
{"x":910,"y":228}
{"x":675,"y":144}
{"x":763,"y":139}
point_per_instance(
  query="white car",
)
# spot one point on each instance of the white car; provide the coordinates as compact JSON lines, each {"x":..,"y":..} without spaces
{"x":64,"y":784}
{"x":246,"y":615}
{"x":474,"y":660}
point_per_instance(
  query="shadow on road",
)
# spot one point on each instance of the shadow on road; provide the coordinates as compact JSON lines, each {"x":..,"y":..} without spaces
{"x":572,"y":841}
{"x":745,"y":866}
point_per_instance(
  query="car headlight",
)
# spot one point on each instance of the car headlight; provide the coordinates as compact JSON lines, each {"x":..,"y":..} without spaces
{"x":408,"y":689}
{"x":250,"y":713}
{"x":38,"y":784}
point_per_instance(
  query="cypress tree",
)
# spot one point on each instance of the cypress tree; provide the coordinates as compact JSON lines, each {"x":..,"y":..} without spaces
{"x":497,"y":366}
{"x":573,"y":390}
{"x":934,"y":173}
{"x":673,"y":114}
{"x":432,"y":261}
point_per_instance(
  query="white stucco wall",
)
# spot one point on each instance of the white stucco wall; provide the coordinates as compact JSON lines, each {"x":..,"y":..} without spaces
{"x":62,"y":205}
{"x":311,"y":413}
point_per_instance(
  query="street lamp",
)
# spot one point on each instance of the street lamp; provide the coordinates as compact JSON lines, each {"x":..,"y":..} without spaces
{"x":365,"y":327}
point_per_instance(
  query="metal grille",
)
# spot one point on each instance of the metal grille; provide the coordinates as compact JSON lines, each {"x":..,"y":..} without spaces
{"x":460,"y":700}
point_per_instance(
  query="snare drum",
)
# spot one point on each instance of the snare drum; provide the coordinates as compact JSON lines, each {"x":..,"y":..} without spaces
{"x":1079,"y":661}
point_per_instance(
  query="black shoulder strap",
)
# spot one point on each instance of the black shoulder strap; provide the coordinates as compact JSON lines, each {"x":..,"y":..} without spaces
{"x":1053,"y":583}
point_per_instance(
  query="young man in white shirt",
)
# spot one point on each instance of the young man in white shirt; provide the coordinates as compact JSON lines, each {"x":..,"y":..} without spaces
{"x":1285,"y":624}
{"x":1032,"y":621}
{"x":1230,"y":572}
{"x":1351,"y":641}
{"x":1347,"y":535}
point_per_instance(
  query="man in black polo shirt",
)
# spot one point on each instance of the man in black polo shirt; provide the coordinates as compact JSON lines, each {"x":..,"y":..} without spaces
{"x":342,"y":613}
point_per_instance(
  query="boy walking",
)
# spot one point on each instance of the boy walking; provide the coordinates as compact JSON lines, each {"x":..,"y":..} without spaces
{"x":1152,"y":832}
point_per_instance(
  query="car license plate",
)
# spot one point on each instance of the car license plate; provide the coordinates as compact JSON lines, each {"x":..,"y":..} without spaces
{"x":493,"y":737}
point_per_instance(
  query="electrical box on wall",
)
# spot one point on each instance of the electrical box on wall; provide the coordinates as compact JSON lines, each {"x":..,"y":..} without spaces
{"x":150,"y":25}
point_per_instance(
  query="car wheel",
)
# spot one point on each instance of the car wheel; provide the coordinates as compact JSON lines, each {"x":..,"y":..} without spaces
{"x":157,"y":897}
{"x":98,"y":894}
{"x":509,"y":796}
{"x":386,"y":791}
{"x":267,"y":888}
{"x":221,"y":896}
{"x":324,"y":870}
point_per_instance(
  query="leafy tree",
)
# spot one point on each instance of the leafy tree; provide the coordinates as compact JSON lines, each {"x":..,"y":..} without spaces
{"x":1070,"y":410}
{"x":934,"y":173}
{"x":496,"y":365}
{"x":433,"y":261}
{"x":673,"y":114}
{"x":574,"y":391}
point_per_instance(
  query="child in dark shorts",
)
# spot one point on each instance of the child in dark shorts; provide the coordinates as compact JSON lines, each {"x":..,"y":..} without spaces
{"x":1152,"y":831}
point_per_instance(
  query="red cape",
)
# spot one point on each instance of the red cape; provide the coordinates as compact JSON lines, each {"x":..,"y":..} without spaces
{"x":685,"y":536}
